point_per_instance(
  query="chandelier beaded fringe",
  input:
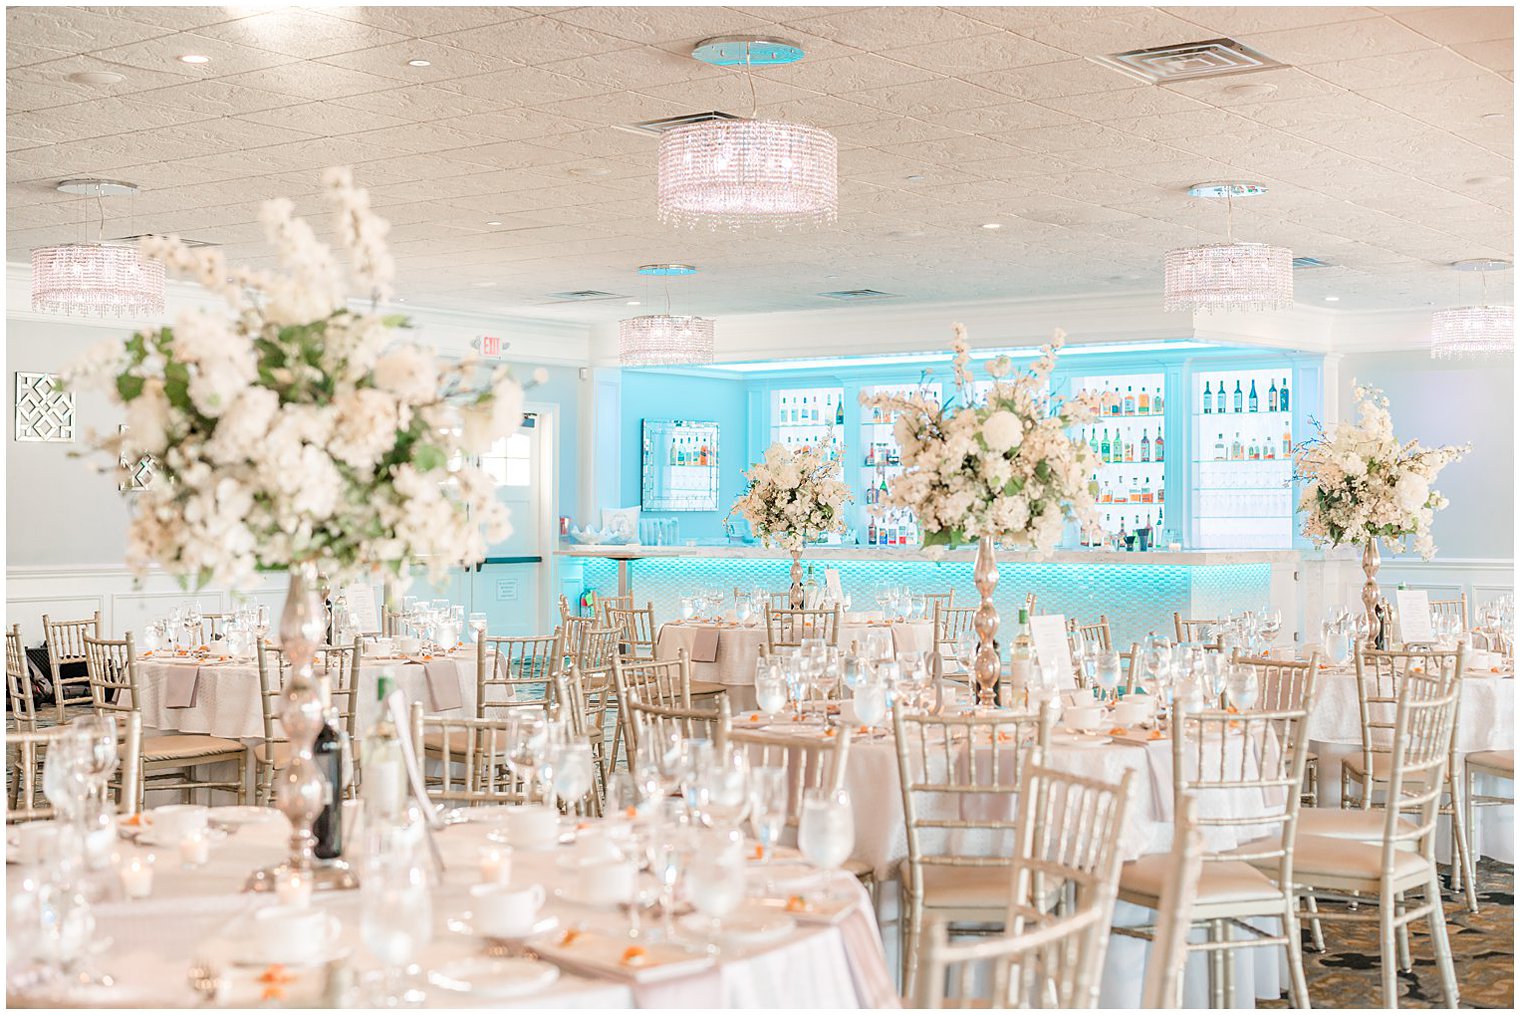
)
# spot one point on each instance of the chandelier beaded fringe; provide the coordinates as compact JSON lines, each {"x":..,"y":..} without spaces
{"x":1229,"y":276}
{"x":736,"y":172}
{"x":665,"y":340}
{"x":1472,"y":331}
{"x":96,"y":279}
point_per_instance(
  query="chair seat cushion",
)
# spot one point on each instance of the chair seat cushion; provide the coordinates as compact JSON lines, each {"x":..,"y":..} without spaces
{"x":1493,"y":761}
{"x":1334,"y":823}
{"x":962,"y":887}
{"x":1220,"y":882}
{"x":705,"y":688}
{"x":173,"y":746}
{"x":1382,"y":765}
{"x":282,"y":752}
{"x":1321,"y":855}
{"x":459,"y":742}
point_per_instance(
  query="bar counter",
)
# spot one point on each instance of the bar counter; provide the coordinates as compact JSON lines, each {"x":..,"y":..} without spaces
{"x":1137,"y":592}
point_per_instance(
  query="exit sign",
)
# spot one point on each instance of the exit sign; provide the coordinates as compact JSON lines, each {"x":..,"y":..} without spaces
{"x":490,"y":346}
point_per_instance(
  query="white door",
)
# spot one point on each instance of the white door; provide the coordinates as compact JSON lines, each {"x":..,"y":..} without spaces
{"x":506,"y":587}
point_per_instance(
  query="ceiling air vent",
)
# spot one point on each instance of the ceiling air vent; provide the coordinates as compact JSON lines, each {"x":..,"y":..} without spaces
{"x":660,"y":126}
{"x":584,"y":296}
{"x":1187,"y":61}
{"x":1310,"y":262}
{"x":858,"y":295}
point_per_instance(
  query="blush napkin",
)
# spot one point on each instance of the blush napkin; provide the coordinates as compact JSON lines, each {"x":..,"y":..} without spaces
{"x":442,"y":684}
{"x":180,"y":686}
{"x":704,"y":645}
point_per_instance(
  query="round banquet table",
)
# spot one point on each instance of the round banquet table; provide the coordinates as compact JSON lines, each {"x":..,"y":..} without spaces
{"x":193,"y":915}
{"x":738,"y":647}
{"x":1485,"y":722}
{"x":226,"y":695}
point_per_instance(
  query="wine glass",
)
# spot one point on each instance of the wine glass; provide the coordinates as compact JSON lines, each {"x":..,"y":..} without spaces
{"x":395,"y":920}
{"x":1270,"y":621}
{"x":669,"y":851}
{"x":870,"y":701}
{"x":743,"y":610}
{"x":688,"y":608}
{"x":715,"y":877}
{"x":1242,"y":687}
{"x":477,"y":623}
{"x":767,"y":806}
{"x":64,"y":779}
{"x":826,"y":831}
{"x":152,"y":636}
{"x":261,"y":622}
{"x":770,"y":687}
{"x":98,"y":754}
{"x":823,"y":679}
{"x":1107,"y":670}
{"x":723,"y":788}
{"x":526,"y":739}
{"x":573,"y":768}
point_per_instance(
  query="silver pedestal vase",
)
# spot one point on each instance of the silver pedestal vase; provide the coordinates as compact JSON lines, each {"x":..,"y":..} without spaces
{"x":300,"y":789}
{"x":1371,"y":561}
{"x":988,"y":667}
{"x":797,"y":597}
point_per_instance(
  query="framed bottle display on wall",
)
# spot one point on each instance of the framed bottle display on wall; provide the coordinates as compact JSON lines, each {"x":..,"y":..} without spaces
{"x":680,"y":465}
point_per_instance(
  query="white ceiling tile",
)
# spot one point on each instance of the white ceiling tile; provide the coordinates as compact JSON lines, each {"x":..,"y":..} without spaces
{"x":1448,"y":25}
{"x":422,"y":22}
{"x":1351,"y":40}
{"x":1128,"y":102}
{"x":613,"y":108}
{"x":1236,"y":21}
{"x":1005,"y":118}
{"x":522,"y":86}
{"x":163,"y":53}
{"x":952,"y":151}
{"x":854,"y":72}
{"x":215,"y":98}
{"x":43,"y":85}
{"x":445,"y":62}
{"x":978,"y":54}
{"x":1498,"y":55}
{"x":75,"y":29}
{"x":1201,"y":121}
{"x":535,"y":40}
{"x":1237,"y":89}
{"x":418,"y":103}
{"x":641,"y":67}
{"x":649,"y":25}
{"x":928,"y":98}
{"x":900,"y":130}
{"x":1018,"y":19}
{"x":323,"y":118}
{"x":1413,"y":68}
{"x":881,"y":28}
{"x":1127,"y":29}
{"x":300,"y":33}
{"x":312,"y":81}
{"x":1069,"y":77}
{"x":731,"y":93}
{"x":833,"y":112}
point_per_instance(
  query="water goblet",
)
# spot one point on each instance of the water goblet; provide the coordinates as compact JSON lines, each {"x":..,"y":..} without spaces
{"x":477,"y":622}
{"x":1242,"y":687}
{"x":767,"y":806}
{"x":826,"y":829}
{"x":870,"y":702}
{"x":715,"y":878}
{"x":1107,"y":670}
{"x":395,"y":922}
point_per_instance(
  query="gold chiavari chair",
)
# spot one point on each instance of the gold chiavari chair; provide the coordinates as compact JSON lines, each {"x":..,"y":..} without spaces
{"x":169,"y":760}
{"x":472,"y":761}
{"x":654,"y":682}
{"x":1097,"y":634}
{"x":1174,"y":920}
{"x":213,"y":626}
{"x":1218,"y":756}
{"x":1453,"y":608}
{"x":1402,"y":860}
{"x":1066,"y":845}
{"x":26,"y":775}
{"x":935,"y":600}
{"x":18,"y":682}
{"x":565,"y":613}
{"x":948,"y":766}
{"x":586,"y":712}
{"x":65,"y":647}
{"x":663,"y":721}
{"x":1283,"y":684}
{"x":338,"y":666}
{"x":787,"y":628}
{"x":636,"y":630}
{"x":513,"y":671}
{"x":1494,"y":765}
{"x":949,"y":624}
{"x":1191,"y":630}
{"x":605,"y":603}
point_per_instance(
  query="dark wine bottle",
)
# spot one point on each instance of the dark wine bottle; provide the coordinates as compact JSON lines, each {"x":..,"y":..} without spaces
{"x":327,"y":755}
{"x":1282,"y":396}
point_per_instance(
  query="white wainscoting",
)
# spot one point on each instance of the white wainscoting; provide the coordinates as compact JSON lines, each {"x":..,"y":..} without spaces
{"x":1338,"y":581}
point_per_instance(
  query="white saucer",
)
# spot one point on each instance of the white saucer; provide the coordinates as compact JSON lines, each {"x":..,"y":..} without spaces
{"x":487,"y":977}
{"x":464,"y":924}
{"x":237,"y":817}
{"x":214,"y":837}
{"x":743,"y":929}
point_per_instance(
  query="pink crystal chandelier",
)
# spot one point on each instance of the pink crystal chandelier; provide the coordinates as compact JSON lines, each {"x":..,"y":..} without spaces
{"x":96,"y":279}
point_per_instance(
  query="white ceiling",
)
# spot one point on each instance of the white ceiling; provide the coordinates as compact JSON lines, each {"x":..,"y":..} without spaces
{"x":1380,"y":144}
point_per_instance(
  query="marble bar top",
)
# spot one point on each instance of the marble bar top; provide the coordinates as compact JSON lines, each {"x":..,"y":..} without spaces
{"x":1166,"y":558}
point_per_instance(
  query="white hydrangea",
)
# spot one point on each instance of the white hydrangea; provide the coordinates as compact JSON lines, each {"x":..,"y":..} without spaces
{"x":795,"y":496}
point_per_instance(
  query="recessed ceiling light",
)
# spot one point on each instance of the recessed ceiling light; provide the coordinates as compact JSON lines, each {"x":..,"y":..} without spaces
{"x":194,"y":58}
{"x":590,"y":171}
{"x":914,"y":177}
{"x":992,"y":225}
{"x":1495,"y":116}
{"x":493,"y":222}
{"x":1332,"y":299}
{"x":419,"y":63}
{"x":631,"y":303}
{"x":400,"y":299}
{"x":96,"y":77}
{"x":1254,"y":90}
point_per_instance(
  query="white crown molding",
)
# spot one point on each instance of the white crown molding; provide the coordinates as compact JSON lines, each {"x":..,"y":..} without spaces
{"x":532,"y":339}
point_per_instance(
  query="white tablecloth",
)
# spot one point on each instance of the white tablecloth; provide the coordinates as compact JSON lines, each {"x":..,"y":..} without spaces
{"x":155,"y":940}
{"x":227,"y":696}
{"x":739,"y":647}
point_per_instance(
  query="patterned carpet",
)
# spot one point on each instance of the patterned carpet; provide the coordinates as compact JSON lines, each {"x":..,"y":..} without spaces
{"x":1347,"y":973}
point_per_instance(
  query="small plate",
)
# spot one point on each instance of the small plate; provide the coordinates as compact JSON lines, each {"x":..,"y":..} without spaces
{"x":786,"y":876}
{"x":237,"y":817}
{"x":486,"y":977}
{"x":464,"y":923}
{"x":1080,"y":739}
{"x":145,"y":837}
{"x":743,"y":929}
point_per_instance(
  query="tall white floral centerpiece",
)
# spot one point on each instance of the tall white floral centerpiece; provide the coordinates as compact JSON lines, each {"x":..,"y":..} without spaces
{"x":1362,"y":484}
{"x":1001,"y":470}
{"x":293,"y":433}
{"x":795,"y":496}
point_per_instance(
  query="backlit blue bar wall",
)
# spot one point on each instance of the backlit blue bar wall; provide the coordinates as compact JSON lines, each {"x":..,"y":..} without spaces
{"x":1136,"y":598}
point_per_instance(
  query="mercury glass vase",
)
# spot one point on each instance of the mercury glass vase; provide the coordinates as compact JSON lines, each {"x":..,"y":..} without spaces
{"x":796,"y":598}
{"x":988,"y":666}
{"x":1371,"y":561}
{"x":300,"y":789}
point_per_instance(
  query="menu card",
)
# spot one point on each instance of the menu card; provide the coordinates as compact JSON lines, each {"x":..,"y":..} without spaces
{"x":361,"y":606}
{"x":1414,"y":616}
{"x":1049,"y":633}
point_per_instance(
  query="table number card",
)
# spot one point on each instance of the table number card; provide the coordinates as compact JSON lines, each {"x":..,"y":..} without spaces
{"x":1414,"y":616}
{"x":362,"y":607}
{"x":1049,"y":633}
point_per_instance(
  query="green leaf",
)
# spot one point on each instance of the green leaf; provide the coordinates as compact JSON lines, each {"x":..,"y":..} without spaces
{"x":1014,"y":486}
{"x":949,"y":537}
{"x":428,"y":457}
{"x":1042,"y":471}
{"x":128,"y":386}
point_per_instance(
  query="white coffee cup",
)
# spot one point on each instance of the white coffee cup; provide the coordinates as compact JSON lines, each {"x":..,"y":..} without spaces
{"x":504,"y":911}
{"x":606,"y":882}
{"x":847,"y":713}
{"x":36,"y":841}
{"x":1085,"y":717}
{"x":531,"y":827}
{"x":594,"y":845}
{"x":1134,"y":708}
{"x":407,"y":646}
{"x":172,"y":823}
{"x":384,"y":646}
{"x":293,"y":934}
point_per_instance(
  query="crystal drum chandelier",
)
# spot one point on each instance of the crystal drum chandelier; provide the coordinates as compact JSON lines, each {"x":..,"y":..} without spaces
{"x":733,"y":172}
{"x":1230,"y":275}
{"x":1474,"y":332}
{"x":98,"y":278}
{"x":665,"y":340}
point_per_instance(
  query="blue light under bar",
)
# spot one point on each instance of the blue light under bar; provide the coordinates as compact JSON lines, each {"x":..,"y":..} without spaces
{"x":894,"y":359}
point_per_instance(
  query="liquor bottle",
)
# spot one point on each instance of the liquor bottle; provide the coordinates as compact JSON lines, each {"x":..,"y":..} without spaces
{"x":1158,"y":447}
{"x":1272,"y":397}
{"x":1156,"y":403}
{"x":1093,"y":490}
{"x":1252,"y":402}
{"x":1287,"y":444}
{"x":1268,"y":450}
{"x":1129,"y":401}
{"x":327,"y":755}
{"x":1253,"y":451}
{"x":1220,"y":451}
{"x":1219,"y":397}
{"x":1117,"y":448}
{"x":817,"y":412}
{"x":1105,"y":449}
{"x":1123,"y":541}
{"x":839,"y":413}
{"x":1207,"y":401}
{"x":1143,"y":403}
{"x":1160,"y":494}
{"x":1145,"y":447}
{"x":1129,"y":451}
{"x":871,"y":532}
{"x":871,"y":454}
{"x":1282,"y":396}
{"x":1237,"y":449}
{"x":1116,"y":404}
{"x":1020,"y":665}
{"x":1097,"y":448}
{"x":1240,"y":398}
{"x":1121,"y":492}
{"x":1107,"y":497}
{"x":881,"y":491}
{"x":384,"y":791}
{"x":1136,"y":492}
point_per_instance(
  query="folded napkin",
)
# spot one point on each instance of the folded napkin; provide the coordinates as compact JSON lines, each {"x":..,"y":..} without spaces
{"x":180,"y":686}
{"x":442,"y":685}
{"x":704,"y":645}
{"x":502,"y":673}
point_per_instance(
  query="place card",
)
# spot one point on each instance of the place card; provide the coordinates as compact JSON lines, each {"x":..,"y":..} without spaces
{"x":1414,"y":616}
{"x":362,"y":607}
{"x":704,"y":645}
{"x":1049,"y":633}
